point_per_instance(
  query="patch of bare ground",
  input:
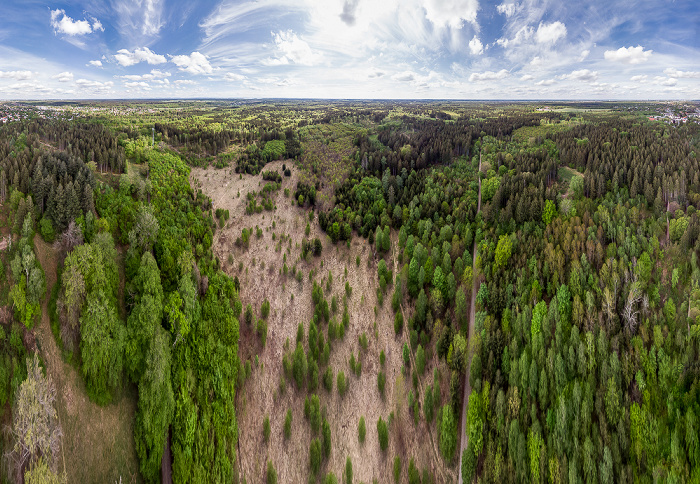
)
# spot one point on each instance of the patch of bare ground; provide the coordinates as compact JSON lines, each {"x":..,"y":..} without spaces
{"x":98,"y":442}
{"x":291,"y":303}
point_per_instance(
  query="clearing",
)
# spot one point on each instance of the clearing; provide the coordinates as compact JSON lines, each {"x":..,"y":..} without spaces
{"x":259,"y":269}
{"x":98,"y":442}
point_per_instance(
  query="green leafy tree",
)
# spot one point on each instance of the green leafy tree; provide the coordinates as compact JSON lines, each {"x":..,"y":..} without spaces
{"x":549,"y":212}
{"x":448,"y":433}
{"x":503,"y":250}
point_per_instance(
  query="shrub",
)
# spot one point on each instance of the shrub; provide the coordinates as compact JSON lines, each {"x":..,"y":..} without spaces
{"x":266,"y":428}
{"x":265,"y":309}
{"x":326,"y":439}
{"x":262,"y":331}
{"x":383,"y":433}
{"x":330,"y":479}
{"x":271,"y":473}
{"x":315,"y":413}
{"x":382,"y":358}
{"x":448,"y":433}
{"x":288,"y":424}
{"x":348,"y":470}
{"x":348,"y":289}
{"x":381,"y":382}
{"x":420,"y":360}
{"x":397,"y":469}
{"x":342,"y":384}
{"x":315,"y":455}
{"x":398,"y":322}
{"x":328,"y":379}
{"x":248,"y":316}
{"x":299,"y":365}
{"x":361,"y":430}
{"x":46,"y":230}
{"x":406,"y":354}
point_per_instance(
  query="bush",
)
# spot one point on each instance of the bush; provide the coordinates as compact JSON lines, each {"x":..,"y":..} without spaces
{"x":328,"y":379}
{"x":348,"y":289}
{"x":265,"y":309}
{"x":383,"y":433}
{"x":326,"y":439}
{"x":397,"y":469}
{"x":46,"y":230}
{"x":381,"y":382}
{"x":266,"y":429}
{"x":248,"y":316}
{"x":288,"y":425}
{"x":406,"y":354}
{"x":315,"y":456}
{"x":300,"y":365}
{"x":271,"y":473}
{"x":361,"y":430}
{"x":420,"y":360}
{"x":342,"y":384}
{"x":398,"y":322}
{"x":262,"y":331}
{"x":348,"y":470}
{"x":414,"y":475}
{"x":448,"y":433}
{"x":330,"y":479}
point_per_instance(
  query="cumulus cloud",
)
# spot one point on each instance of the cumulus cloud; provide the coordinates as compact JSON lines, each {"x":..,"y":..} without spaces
{"x":97,"y":86}
{"x":488,"y":76}
{"x":154,"y":74}
{"x":185,"y":82}
{"x":349,"y":8}
{"x":127,"y":58}
{"x":475,"y":46}
{"x":63,"y":24}
{"x":376,"y":74}
{"x":507,"y":9}
{"x":527,"y":77}
{"x":584,"y":55}
{"x":291,"y":50}
{"x":136,"y":85}
{"x":451,"y":13}
{"x":545,"y":82}
{"x":550,"y":33}
{"x":406,"y":76}
{"x":95,"y":63}
{"x":583,"y":75}
{"x":63,"y":77}
{"x":628,"y":55}
{"x":639,"y":78}
{"x":16,"y":75}
{"x":195,"y":63}
{"x":671,"y":72}
{"x":232,"y":76}
{"x":665,"y":81}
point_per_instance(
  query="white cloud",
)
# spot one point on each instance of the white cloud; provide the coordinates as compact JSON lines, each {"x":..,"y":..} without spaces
{"x":126,"y":58}
{"x":451,"y":13}
{"x":96,"y":86}
{"x":672,"y":72}
{"x":475,"y":46}
{"x":639,"y":78}
{"x":545,"y":82}
{"x":584,"y":55}
{"x":63,"y":24}
{"x":550,"y":33}
{"x":583,"y":75}
{"x":195,"y":63}
{"x":185,"y":82}
{"x":291,"y":50}
{"x":628,"y":55}
{"x":16,"y":75}
{"x":63,"y":77}
{"x":665,"y":81}
{"x":95,"y":63}
{"x":507,"y":9}
{"x":527,"y":77}
{"x":488,"y":75}
{"x":135,"y":85}
{"x":376,"y":74}
{"x":232,"y":76}
{"x":154,"y":74}
{"x":523,"y":34}
{"x":406,"y":76}
{"x":139,"y":20}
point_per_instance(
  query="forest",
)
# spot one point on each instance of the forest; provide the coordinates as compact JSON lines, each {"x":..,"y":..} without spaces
{"x":498,"y":292}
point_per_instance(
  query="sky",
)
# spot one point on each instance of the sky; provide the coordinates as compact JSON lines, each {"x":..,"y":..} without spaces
{"x":350,"y":49}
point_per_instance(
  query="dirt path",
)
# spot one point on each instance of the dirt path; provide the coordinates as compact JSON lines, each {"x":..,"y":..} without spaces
{"x":472,"y":315}
{"x":98,"y":442}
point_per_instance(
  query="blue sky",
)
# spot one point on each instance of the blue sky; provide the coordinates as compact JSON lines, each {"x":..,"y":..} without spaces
{"x":454,"y":49}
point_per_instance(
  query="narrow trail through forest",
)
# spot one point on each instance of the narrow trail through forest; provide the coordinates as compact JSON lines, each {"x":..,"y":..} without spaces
{"x":464,"y":437}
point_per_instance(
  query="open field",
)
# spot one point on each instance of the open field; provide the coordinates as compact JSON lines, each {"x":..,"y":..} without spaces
{"x":261,"y":278}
